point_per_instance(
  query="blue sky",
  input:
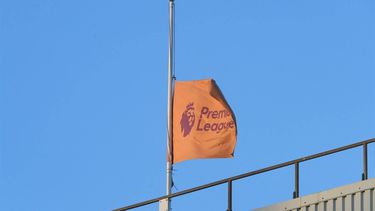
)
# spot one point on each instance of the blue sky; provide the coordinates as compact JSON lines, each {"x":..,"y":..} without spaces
{"x":83,"y":96}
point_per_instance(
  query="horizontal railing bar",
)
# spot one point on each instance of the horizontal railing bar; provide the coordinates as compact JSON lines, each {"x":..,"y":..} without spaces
{"x":303,"y":159}
{"x":248,"y":174}
{"x":173,"y":195}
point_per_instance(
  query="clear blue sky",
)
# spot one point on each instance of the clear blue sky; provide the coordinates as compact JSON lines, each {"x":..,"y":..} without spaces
{"x":83,"y":96}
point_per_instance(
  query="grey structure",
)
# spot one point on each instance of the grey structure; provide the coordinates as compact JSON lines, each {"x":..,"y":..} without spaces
{"x":355,"y":197}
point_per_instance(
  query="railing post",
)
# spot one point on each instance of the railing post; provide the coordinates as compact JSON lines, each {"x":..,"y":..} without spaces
{"x":365,"y":172}
{"x":296,"y":180}
{"x":229,"y":195}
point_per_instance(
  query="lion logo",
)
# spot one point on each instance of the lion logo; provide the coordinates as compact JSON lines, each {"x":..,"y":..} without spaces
{"x":187,"y":120}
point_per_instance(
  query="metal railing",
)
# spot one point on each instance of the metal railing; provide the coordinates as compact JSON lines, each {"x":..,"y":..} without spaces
{"x":295,"y":162}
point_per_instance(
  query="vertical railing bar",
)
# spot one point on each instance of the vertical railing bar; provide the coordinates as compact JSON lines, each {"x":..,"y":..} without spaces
{"x":365,"y":172}
{"x":229,"y":195}
{"x":296,"y":180}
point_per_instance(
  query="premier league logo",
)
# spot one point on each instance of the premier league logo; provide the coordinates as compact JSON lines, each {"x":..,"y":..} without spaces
{"x":187,"y":120}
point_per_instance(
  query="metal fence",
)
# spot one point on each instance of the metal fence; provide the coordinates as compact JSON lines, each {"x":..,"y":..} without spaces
{"x":354,"y":197}
{"x":295,"y":162}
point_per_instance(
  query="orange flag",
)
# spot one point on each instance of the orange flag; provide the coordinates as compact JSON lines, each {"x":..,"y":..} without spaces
{"x":204,"y":125}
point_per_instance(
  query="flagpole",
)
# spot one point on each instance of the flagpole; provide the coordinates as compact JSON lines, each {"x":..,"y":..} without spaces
{"x":170,"y":94}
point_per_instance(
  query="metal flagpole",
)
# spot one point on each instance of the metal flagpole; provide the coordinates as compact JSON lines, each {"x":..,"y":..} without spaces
{"x":165,"y":205}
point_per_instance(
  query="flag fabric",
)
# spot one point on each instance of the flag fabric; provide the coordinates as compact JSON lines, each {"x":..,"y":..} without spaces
{"x":204,"y":125}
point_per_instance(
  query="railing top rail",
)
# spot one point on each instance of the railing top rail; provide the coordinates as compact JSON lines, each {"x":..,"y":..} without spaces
{"x":248,"y":174}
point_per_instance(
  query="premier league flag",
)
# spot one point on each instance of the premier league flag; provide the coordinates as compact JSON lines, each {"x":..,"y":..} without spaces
{"x":204,"y":125}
